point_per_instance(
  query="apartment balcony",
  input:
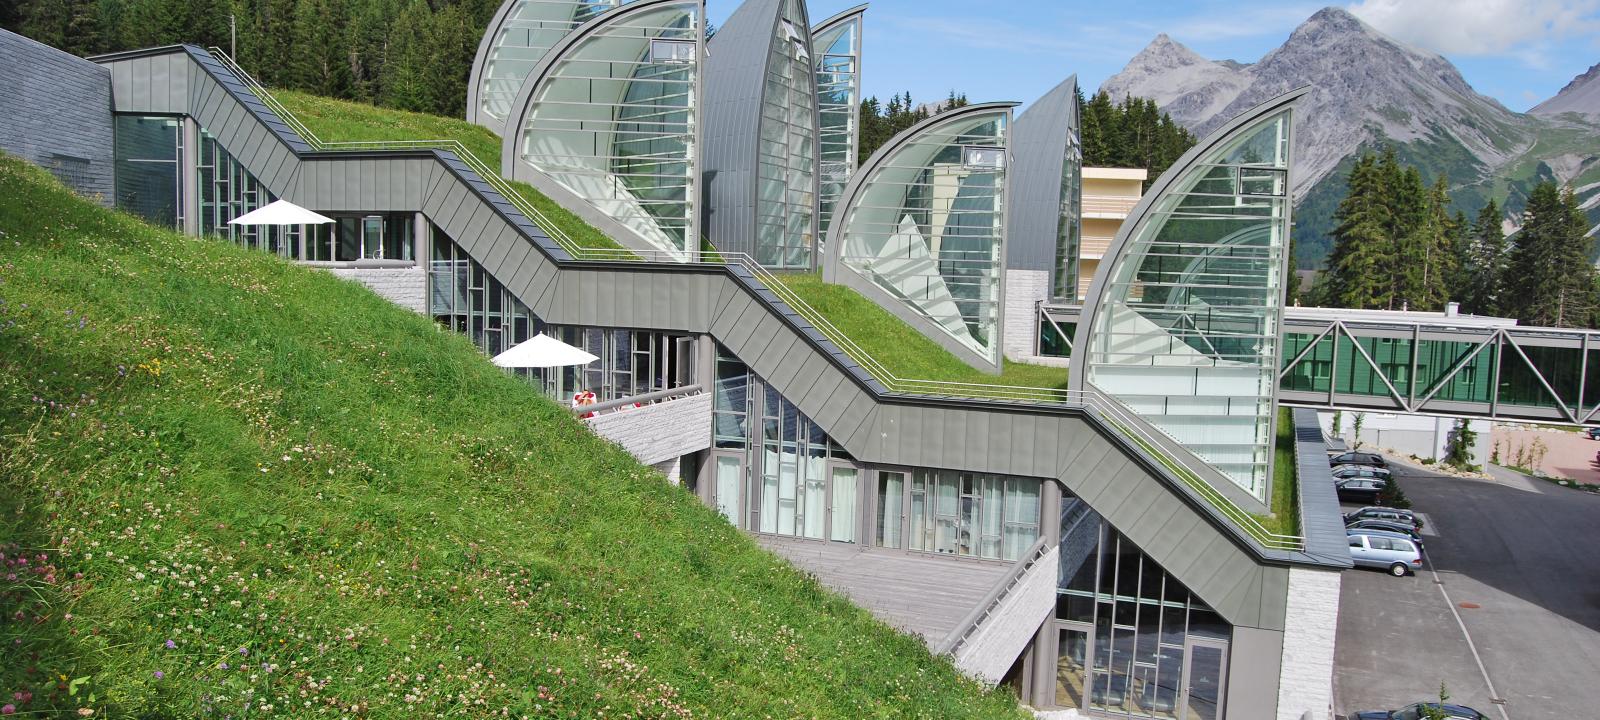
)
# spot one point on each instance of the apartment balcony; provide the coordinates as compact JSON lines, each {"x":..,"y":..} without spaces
{"x":1114,"y":207}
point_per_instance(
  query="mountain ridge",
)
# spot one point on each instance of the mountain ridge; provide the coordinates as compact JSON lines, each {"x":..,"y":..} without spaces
{"x":1582,"y":95}
{"x":1371,"y":91}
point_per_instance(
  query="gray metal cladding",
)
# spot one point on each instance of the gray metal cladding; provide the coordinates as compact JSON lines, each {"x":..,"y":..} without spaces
{"x":1243,"y":583}
{"x":735,"y":83}
{"x":1039,"y":146}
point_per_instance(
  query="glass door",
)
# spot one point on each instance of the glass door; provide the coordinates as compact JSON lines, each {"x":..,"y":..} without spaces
{"x":729,"y":479}
{"x":1072,"y":657}
{"x":1204,"y":679}
{"x":842,"y":511}
{"x":372,"y":237}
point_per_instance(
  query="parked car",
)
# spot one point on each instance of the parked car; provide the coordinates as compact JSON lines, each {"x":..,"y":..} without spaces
{"x":1396,"y":526}
{"x":1344,"y":471}
{"x":1383,"y":513}
{"x":1359,"y":458}
{"x":1593,"y":433}
{"x":1359,"y":489}
{"x":1384,"y":550}
{"x":1414,"y":712}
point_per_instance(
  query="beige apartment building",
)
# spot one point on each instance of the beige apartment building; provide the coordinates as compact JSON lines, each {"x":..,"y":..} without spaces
{"x":1109,"y":194}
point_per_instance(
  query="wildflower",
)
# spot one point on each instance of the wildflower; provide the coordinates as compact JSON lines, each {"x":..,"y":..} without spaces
{"x":159,"y":674}
{"x":223,"y":666}
{"x":8,"y":709}
{"x":244,"y":651}
{"x":172,"y":645}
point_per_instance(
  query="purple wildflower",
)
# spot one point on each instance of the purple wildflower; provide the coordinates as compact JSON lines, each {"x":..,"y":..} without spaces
{"x":172,"y":645}
{"x":159,"y":674}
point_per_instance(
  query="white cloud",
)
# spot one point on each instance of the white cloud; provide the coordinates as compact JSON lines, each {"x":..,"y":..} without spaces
{"x":1520,"y":29}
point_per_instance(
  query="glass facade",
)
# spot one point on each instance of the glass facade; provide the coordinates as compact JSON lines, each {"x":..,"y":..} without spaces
{"x":375,"y":236}
{"x":838,"y":62}
{"x":529,"y":30}
{"x":964,"y":514}
{"x":148,"y":164}
{"x":1186,"y":329}
{"x":467,"y":299}
{"x":1483,"y":373}
{"x":1069,"y":228}
{"x":798,"y":482}
{"x":927,"y":224}
{"x":613,"y":121}
{"x":1132,"y":640}
{"x":786,"y":152}
{"x":228,"y":191}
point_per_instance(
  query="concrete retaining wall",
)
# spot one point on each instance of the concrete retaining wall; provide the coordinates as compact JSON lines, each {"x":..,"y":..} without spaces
{"x":990,"y":651}
{"x":661,"y":432}
{"x":406,"y":287}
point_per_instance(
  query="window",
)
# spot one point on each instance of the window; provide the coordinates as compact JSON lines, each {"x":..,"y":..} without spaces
{"x":674,"y":52}
{"x":957,"y":513}
{"x":983,"y":158}
{"x":793,"y":491}
{"x":1355,"y":542}
{"x":1134,"y":625}
{"x":149,"y":168}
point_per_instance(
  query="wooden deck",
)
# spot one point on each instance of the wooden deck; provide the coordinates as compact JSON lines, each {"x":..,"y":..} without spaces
{"x":921,"y":594}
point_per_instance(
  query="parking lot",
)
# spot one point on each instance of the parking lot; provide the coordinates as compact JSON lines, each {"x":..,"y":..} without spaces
{"x":1508,"y":607}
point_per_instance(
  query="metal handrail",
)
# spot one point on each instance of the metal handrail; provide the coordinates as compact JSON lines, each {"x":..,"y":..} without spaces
{"x":1110,"y":411}
{"x":650,"y":397}
{"x":991,"y":600}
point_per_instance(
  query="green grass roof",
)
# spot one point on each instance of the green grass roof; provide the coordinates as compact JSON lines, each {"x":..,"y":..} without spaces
{"x":239,"y":482}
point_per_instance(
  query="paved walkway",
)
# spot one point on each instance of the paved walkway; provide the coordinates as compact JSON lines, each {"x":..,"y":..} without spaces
{"x":920,"y":594}
{"x":1569,"y":455}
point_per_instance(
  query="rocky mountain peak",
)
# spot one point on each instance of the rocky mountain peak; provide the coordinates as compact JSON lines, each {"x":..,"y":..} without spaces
{"x":1582,"y":95}
{"x":1164,"y":53}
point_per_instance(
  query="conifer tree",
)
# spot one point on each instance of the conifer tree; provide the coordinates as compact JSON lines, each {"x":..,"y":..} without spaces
{"x":1551,"y":280}
{"x":1484,"y":264}
{"x":1358,"y":274}
{"x":1424,"y":264}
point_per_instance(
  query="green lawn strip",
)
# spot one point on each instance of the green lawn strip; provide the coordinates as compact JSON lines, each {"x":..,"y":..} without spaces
{"x":908,"y":354}
{"x":324,"y":501}
{"x":345,"y":121}
{"x":1285,"y":477}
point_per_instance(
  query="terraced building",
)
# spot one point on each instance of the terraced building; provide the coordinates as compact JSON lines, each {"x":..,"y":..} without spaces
{"x":1087,"y":545}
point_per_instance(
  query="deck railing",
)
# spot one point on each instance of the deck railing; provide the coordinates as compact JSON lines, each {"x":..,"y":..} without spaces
{"x":1112,"y":413}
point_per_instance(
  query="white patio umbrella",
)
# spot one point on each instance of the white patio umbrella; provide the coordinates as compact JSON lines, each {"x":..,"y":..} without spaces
{"x":281,"y":212}
{"x":543,"y":351}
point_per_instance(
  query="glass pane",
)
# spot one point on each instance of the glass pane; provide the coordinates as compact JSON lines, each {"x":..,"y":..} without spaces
{"x":844,"y":505}
{"x":891,"y":486}
{"x":1205,"y":683}
{"x":1072,"y":655}
{"x":729,"y":478}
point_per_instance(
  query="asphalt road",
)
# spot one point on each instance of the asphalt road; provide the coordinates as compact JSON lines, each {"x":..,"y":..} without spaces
{"x":1519,"y":560}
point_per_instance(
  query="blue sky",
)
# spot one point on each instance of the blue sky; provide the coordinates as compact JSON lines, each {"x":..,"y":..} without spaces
{"x":1516,"y":51}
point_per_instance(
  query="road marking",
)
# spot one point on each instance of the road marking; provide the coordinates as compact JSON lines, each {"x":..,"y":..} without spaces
{"x":1494,"y":696}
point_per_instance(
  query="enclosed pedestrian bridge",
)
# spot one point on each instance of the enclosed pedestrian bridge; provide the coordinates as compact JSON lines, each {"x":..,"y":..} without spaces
{"x":1440,"y":363}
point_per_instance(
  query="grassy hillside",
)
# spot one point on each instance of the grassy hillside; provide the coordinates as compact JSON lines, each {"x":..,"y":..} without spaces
{"x":233,"y":486}
{"x":907,"y":353}
{"x":337,"y":121}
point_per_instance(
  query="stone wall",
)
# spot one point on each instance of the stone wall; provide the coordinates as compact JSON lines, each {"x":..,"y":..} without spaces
{"x":1024,"y":290}
{"x":55,"y":111}
{"x":1306,"y":683}
{"x":661,"y":432}
{"x":406,"y":287}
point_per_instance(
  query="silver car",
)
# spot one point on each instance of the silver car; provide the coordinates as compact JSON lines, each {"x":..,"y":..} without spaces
{"x":1385,"y":550}
{"x":1348,"y":471}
